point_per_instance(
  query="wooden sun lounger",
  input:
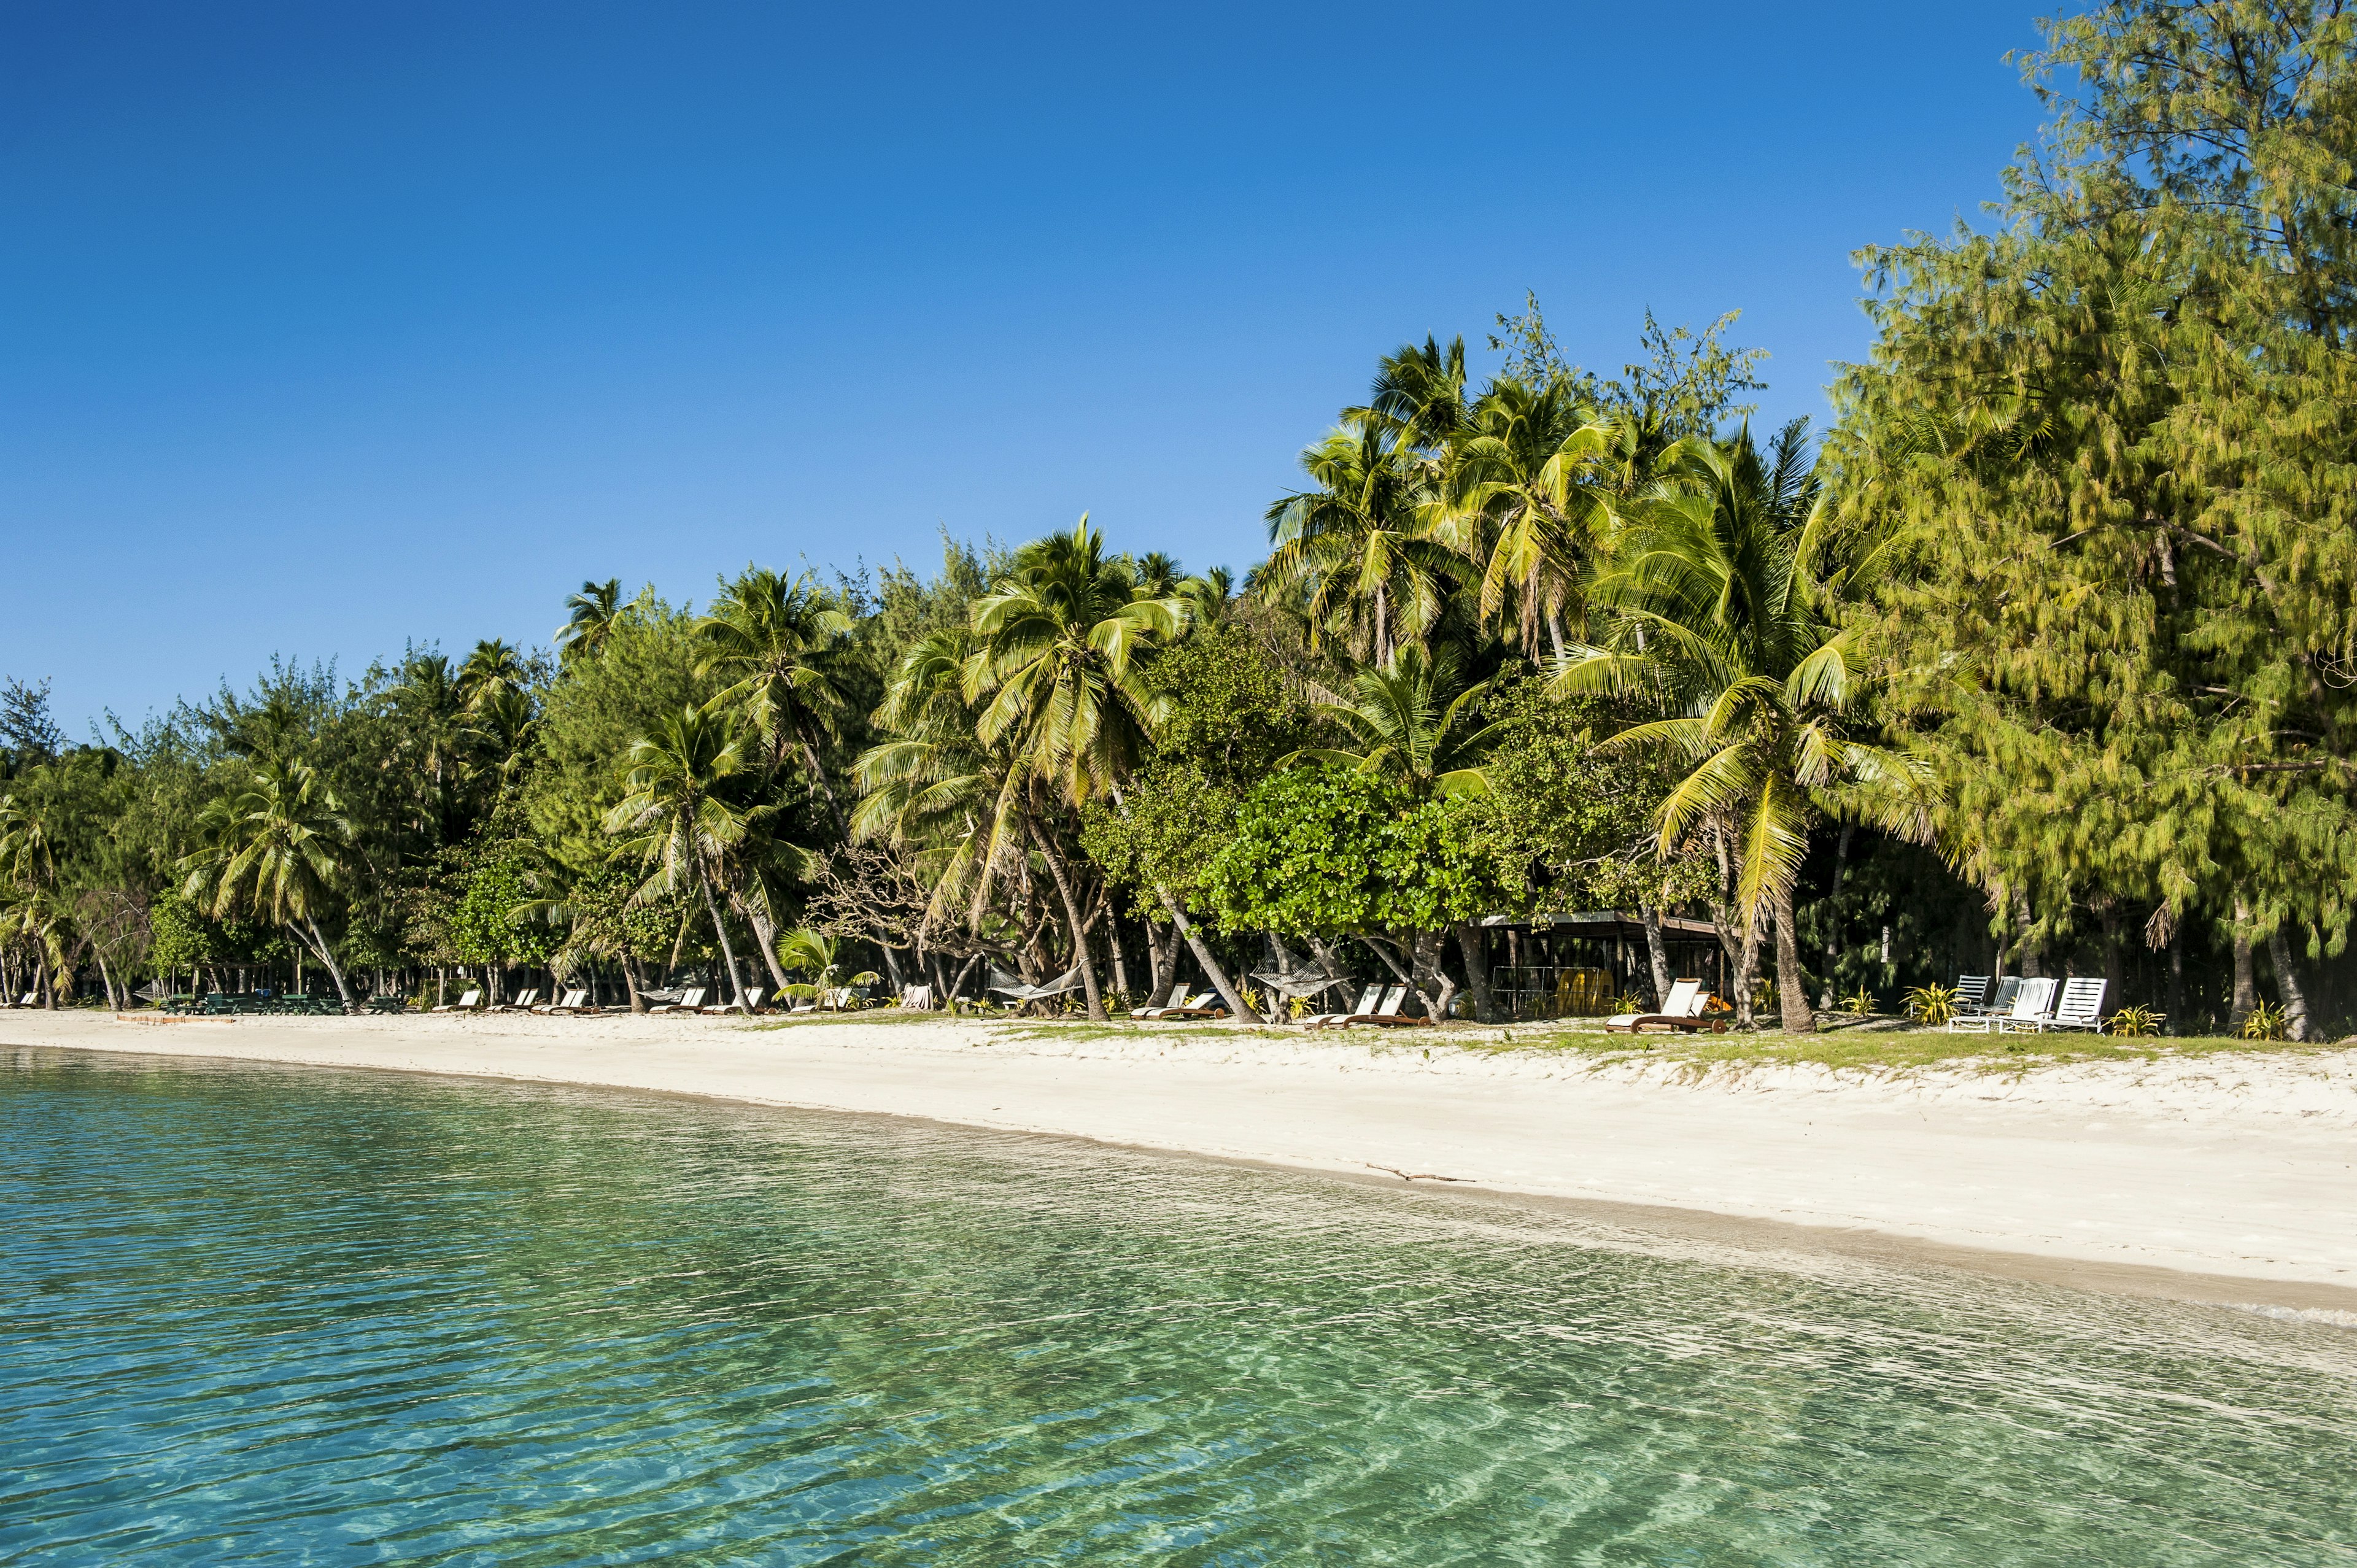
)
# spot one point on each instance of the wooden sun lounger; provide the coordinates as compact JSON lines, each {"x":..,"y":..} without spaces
{"x":690,"y":1000}
{"x":1683,"y":1011}
{"x":466,"y":1003}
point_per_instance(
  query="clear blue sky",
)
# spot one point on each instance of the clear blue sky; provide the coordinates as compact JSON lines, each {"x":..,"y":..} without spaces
{"x":328,"y":327}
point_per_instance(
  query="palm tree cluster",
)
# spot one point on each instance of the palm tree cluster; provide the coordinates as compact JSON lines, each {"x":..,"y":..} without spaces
{"x":2046,"y":658}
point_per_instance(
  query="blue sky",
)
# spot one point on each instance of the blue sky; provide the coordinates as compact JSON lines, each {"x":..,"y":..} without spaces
{"x":331,"y":326}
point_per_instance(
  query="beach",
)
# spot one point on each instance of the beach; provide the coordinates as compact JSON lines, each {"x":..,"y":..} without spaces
{"x":2228,"y":1178}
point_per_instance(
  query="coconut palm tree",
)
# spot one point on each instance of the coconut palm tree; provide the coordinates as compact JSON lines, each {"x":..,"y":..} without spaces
{"x":589,"y":618}
{"x":275,"y":848}
{"x":1718,"y":613}
{"x":1415,"y":721}
{"x":431,"y":712}
{"x":492,"y":669}
{"x":1059,"y":666}
{"x":772,"y":639}
{"x":1523,"y":496}
{"x":1357,"y":553}
{"x":672,"y":819}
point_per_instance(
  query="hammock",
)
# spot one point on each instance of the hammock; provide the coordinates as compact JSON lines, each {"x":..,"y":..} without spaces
{"x":1301,"y":982}
{"x":1007,"y":985}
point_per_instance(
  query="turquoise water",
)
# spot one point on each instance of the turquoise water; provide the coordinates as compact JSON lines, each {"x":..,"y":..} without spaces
{"x":256,"y":1316}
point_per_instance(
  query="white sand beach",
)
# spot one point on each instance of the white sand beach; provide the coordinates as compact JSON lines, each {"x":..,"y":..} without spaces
{"x":2237,"y":1173}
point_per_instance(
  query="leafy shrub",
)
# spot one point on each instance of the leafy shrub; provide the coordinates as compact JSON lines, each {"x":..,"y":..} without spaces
{"x":1932,"y":1005}
{"x":2134,"y":1020}
{"x":2265,"y":1022}
{"x":1860,"y":1002}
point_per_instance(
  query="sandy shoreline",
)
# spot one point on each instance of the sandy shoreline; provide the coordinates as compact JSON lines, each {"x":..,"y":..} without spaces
{"x":2143,"y":1177}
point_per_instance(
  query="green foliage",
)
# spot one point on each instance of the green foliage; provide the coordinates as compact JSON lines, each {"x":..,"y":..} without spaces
{"x":2264,"y":1022}
{"x":2107,"y":445}
{"x":483,"y":924}
{"x":644,"y":672}
{"x":2133,"y":1022}
{"x":1331,"y":850}
{"x":183,"y":939}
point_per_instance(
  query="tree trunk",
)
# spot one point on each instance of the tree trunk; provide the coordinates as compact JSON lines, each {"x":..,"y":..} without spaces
{"x":1163,"y":959}
{"x":1832,"y":913}
{"x":106,"y":980}
{"x":2287,"y":987}
{"x":1080,"y":954}
{"x":2176,"y":979}
{"x":720,"y":930}
{"x":633,"y":982}
{"x":1119,"y":964}
{"x":765,"y":932}
{"x":1211,"y":969}
{"x":1747,"y":972}
{"x":1657,"y":955}
{"x":1433,"y":988}
{"x":963,"y":975}
{"x":2031,"y":957}
{"x":1792,"y":985}
{"x":319,"y":946}
{"x":1473,"y":946}
{"x":1555,"y":633}
{"x":2246,"y":985}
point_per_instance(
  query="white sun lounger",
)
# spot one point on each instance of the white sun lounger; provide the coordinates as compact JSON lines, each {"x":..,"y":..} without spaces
{"x":464,"y":1004}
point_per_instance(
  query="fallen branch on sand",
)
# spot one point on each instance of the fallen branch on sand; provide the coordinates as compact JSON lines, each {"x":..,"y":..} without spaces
{"x":1415,"y":1176}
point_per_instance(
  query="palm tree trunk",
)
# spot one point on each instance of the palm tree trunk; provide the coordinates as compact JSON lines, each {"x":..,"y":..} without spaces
{"x":1080,"y":954}
{"x":2287,"y":987}
{"x":720,"y":928}
{"x":764,"y":937}
{"x":1657,"y":954}
{"x":1792,"y":985}
{"x":319,"y":946}
{"x":1211,"y":969}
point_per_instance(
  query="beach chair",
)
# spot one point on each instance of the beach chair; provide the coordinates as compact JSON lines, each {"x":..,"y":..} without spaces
{"x":1203,"y":1004}
{"x":918,"y":998}
{"x":752,"y":1003}
{"x":2033,"y":1006}
{"x":2080,"y":1005}
{"x":1982,"y":1020}
{"x":1367,"y":1000}
{"x":466,"y":1003}
{"x":690,"y":1000}
{"x":1971,"y":996}
{"x":1681,"y":1009}
{"x":1393,"y":1014}
{"x":573,"y":1000}
{"x":1178,"y":999}
{"x":522,"y":1004}
{"x":1389,"y":1005}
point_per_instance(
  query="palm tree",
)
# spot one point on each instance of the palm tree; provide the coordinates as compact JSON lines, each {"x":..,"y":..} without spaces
{"x":772,"y":638}
{"x":679,"y":828}
{"x":1522,"y":496}
{"x":1421,"y":391}
{"x":432,"y":711}
{"x":1059,"y":654}
{"x":1357,"y":553}
{"x":275,"y":848}
{"x":30,"y":911}
{"x":492,"y":669}
{"x":1415,"y":721}
{"x":1720,"y":614}
{"x":589,"y":618}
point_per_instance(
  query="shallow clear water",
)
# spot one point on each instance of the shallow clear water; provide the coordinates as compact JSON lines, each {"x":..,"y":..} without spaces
{"x":255,"y":1316}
